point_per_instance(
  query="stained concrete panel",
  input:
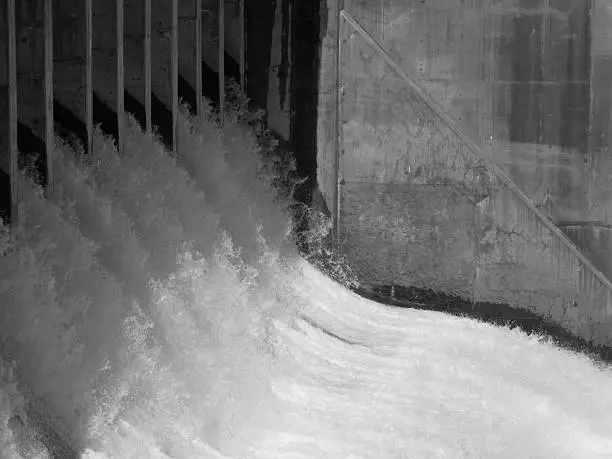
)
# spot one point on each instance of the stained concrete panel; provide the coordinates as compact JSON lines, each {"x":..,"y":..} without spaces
{"x":554,"y":177}
{"x":595,"y":241}
{"x":391,"y":135}
{"x":467,"y":56}
{"x":439,"y":43}
{"x":601,"y":27}
{"x":601,"y":131}
{"x":599,"y":163}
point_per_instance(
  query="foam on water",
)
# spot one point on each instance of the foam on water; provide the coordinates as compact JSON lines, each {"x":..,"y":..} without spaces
{"x":155,"y":307}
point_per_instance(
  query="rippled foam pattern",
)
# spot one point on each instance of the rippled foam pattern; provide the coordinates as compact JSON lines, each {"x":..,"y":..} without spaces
{"x":155,"y":307}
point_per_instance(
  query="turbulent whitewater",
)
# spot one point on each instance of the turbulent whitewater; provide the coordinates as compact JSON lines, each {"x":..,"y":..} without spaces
{"x":157,"y":307}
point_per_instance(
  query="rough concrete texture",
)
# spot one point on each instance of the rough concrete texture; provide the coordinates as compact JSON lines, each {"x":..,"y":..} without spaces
{"x":407,"y":234}
{"x":410,"y":185}
{"x":416,"y":207}
{"x":522,"y":264}
{"x":553,"y":177}
{"x":595,"y":241}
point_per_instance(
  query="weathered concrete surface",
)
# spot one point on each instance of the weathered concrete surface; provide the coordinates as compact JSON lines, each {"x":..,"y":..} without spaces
{"x":327,"y":92}
{"x":595,"y":241}
{"x":410,"y":185}
{"x":553,"y":177}
{"x":522,"y":264}
{"x":409,"y":180}
{"x":270,"y":58}
{"x":540,"y":101}
{"x":409,"y":234}
{"x":470,"y":57}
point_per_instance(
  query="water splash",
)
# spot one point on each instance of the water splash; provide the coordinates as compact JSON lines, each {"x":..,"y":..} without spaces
{"x":157,"y":307}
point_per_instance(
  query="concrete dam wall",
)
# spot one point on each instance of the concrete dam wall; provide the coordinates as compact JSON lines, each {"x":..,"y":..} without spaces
{"x":462,"y":145}
{"x":259,"y":50}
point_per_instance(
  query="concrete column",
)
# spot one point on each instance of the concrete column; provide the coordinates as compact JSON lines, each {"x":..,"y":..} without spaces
{"x":120,"y":74}
{"x":30,"y":65}
{"x":221,"y":56}
{"x":89,"y":74}
{"x":280,"y":71}
{"x":161,"y":49}
{"x":104,"y":42}
{"x":189,"y":45}
{"x":8,"y":113}
{"x":242,"y":43}
{"x":26,"y":93}
{"x":197,"y":60}
{"x":70,"y":61}
{"x":174,"y":73}
{"x":261,"y":17}
{"x":48,"y":90}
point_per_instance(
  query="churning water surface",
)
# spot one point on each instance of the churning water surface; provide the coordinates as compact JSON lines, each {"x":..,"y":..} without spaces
{"x":153,"y":307}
